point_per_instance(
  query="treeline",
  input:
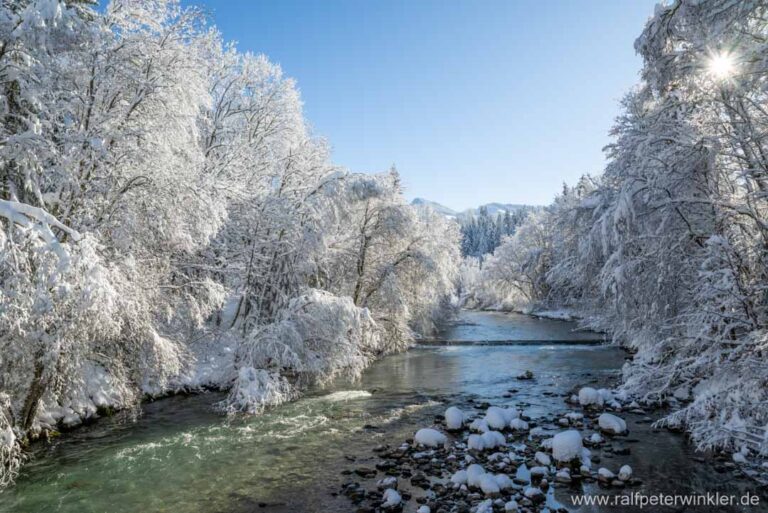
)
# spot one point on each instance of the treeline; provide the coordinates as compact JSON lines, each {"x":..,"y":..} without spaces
{"x":167,"y":220}
{"x":668,"y":248}
{"x":481,"y":234}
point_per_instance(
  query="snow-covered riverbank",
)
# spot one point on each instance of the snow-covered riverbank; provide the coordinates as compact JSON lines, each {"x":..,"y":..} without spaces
{"x":498,"y":459}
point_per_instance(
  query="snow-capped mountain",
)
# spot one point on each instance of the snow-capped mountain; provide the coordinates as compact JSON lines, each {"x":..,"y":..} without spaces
{"x":492,"y":208}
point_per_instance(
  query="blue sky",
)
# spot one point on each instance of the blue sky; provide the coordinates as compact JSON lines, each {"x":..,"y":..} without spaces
{"x":474,"y":101}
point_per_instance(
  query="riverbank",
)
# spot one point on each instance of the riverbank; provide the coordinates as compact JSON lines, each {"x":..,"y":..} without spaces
{"x":492,"y":459}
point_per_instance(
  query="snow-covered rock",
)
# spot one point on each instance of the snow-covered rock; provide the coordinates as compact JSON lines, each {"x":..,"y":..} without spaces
{"x":495,"y":418}
{"x":429,"y":437}
{"x":574,"y":416}
{"x":488,"y":484}
{"x":567,"y":446}
{"x":739,"y":458}
{"x":511,"y":506}
{"x":387,"y":482}
{"x":486,"y":441}
{"x":625,"y":473}
{"x":454,"y":418}
{"x":485,"y":506}
{"x":424,"y":509}
{"x":493,"y":439}
{"x":610,"y":423}
{"x":474,"y":473}
{"x":539,"y":471}
{"x":563,"y":475}
{"x":604,"y":474}
{"x":543,"y":458}
{"x":501,"y":416}
{"x":596,"y":438}
{"x":534,"y":493}
{"x":606,"y":395}
{"x":459,"y":477}
{"x":475,"y":443}
{"x":590,"y":397}
{"x":391,"y":498}
{"x":504,"y":481}
{"x":479,"y":426}
{"x":518,"y":425}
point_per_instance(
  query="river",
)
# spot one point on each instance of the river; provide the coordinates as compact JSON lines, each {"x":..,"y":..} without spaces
{"x":178,"y":455}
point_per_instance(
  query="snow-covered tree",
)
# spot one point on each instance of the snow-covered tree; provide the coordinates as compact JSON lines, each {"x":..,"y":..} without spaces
{"x":164,"y":203}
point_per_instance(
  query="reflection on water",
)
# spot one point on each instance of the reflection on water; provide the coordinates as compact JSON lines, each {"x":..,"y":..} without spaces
{"x":180,"y":456}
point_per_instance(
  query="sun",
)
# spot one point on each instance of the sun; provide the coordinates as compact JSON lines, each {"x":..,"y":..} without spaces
{"x":721,"y":65}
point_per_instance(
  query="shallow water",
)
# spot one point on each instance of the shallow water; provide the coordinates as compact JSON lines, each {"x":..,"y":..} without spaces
{"x":180,"y":456}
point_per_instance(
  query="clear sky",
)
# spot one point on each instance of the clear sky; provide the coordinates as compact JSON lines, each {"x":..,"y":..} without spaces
{"x":473,"y":101}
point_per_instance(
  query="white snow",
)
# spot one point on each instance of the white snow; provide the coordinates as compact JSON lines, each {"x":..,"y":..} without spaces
{"x":495,"y":418}
{"x":475,"y":442}
{"x":459,"y":477}
{"x":504,"y":481}
{"x":532,"y":492}
{"x":474,"y":473}
{"x":625,"y":473}
{"x":511,"y":506}
{"x":493,"y":439}
{"x":429,"y":437}
{"x":387,"y":482}
{"x":543,"y":458}
{"x":605,"y":474}
{"x":488,"y":484}
{"x":423,"y":509}
{"x":589,"y":396}
{"x":391,"y":498}
{"x":486,"y":441}
{"x":518,"y":425}
{"x":454,"y":418}
{"x":485,"y":506}
{"x":567,"y":446}
{"x":479,"y":425}
{"x":610,"y":423}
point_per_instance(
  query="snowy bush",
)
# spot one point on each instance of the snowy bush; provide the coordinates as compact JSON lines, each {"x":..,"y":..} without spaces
{"x":315,"y":339}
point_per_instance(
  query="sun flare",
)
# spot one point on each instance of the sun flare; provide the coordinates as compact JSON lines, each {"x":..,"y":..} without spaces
{"x":721,"y":66}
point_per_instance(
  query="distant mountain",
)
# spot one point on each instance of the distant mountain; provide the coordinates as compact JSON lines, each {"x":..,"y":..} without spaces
{"x":496,"y":208}
{"x":492,"y":208}
{"x":437,"y":207}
